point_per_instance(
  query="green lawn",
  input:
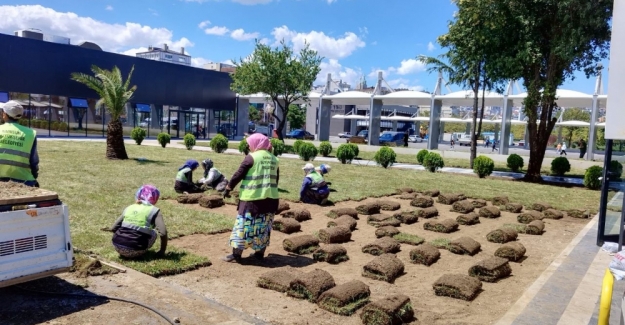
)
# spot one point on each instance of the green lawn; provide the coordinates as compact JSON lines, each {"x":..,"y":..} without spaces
{"x":96,"y":191}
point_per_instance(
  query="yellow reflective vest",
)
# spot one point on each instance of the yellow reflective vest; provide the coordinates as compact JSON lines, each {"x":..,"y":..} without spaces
{"x":16,"y":143}
{"x":260,"y":182}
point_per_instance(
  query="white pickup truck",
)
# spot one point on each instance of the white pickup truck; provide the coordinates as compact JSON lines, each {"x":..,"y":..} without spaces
{"x":465,"y":139}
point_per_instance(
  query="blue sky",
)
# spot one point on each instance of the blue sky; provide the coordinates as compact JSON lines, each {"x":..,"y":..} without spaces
{"x":356,"y":37}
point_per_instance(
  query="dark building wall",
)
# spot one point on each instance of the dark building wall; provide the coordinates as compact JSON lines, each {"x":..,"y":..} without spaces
{"x":38,"y":67}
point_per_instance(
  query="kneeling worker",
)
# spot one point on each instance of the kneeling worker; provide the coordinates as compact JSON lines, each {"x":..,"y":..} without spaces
{"x":213,"y":178}
{"x":19,"y":161}
{"x":184,"y":178}
{"x":314,"y":188}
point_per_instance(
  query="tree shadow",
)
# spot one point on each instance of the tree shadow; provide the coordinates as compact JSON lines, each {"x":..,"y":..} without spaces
{"x":281,"y":190}
{"x":152,"y":255}
{"x":275,"y":261}
{"x":144,"y":161}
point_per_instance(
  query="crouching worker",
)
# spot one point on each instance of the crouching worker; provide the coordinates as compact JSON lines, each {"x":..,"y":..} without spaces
{"x":184,"y":178}
{"x":213,"y":178}
{"x":324,"y":169}
{"x":314,"y":188}
{"x":136,"y":229}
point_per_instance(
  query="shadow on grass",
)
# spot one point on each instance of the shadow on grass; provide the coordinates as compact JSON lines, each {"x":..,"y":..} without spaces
{"x":144,"y":161}
{"x":276,"y":261}
{"x":281,"y":190}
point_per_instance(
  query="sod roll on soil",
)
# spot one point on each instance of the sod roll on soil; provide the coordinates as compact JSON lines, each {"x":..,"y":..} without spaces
{"x":283,"y":206}
{"x":448,"y":199}
{"x":535,"y":227}
{"x":408,"y":196}
{"x":422,"y":202}
{"x":346,"y":298}
{"x":386,"y":231}
{"x":553,"y":214}
{"x":468,"y":219}
{"x":335,"y":235}
{"x":407,"y":217}
{"x":427,"y":213}
{"x":491,"y":269}
{"x":502,"y":235}
{"x":332,"y":253}
{"x":479,"y":203}
{"x":457,"y":286}
{"x":393,"y":310}
{"x":311,"y":285}
{"x":464,"y":206}
{"x":302,"y":245}
{"x":381,"y":246}
{"x":432,"y":193}
{"x":514,"y":207}
{"x":425,"y":254}
{"x":444,"y":226}
{"x":490,"y":212}
{"x":500,"y":200}
{"x":335,"y":213}
{"x":529,"y":216}
{"x":278,"y":279}
{"x":211,"y":201}
{"x":409,"y":239}
{"x":540,"y":206}
{"x":368,"y":209}
{"x":297,"y":214}
{"x":513,"y":251}
{"x":464,"y":245}
{"x":380,"y":220}
{"x":580,"y":214}
{"x":189,"y":198}
{"x":286,"y":225}
{"x":386,"y":267}
{"x":386,"y":205}
{"x":344,"y":221}
{"x":405,"y":190}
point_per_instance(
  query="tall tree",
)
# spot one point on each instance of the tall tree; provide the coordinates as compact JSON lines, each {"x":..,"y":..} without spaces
{"x":296,"y":116}
{"x":284,"y":77}
{"x":114,"y":92}
{"x":254,"y":114}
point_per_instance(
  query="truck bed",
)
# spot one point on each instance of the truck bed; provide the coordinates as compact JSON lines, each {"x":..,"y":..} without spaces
{"x":16,"y":193}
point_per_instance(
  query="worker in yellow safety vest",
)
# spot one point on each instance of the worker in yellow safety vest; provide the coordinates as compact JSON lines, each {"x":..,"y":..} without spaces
{"x":19,"y":161}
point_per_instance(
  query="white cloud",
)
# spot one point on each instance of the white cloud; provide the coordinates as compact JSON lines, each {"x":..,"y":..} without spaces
{"x":204,"y":24}
{"x":199,"y":62}
{"x":264,"y":41}
{"x":243,"y":2}
{"x":109,"y":8}
{"x":217,"y":30}
{"x":385,"y":72}
{"x":410,"y":66}
{"x":327,"y":46}
{"x":153,"y":12}
{"x":431,"y":47}
{"x":402,"y":83}
{"x":330,"y":1}
{"x":339,"y":72}
{"x":241,"y":35}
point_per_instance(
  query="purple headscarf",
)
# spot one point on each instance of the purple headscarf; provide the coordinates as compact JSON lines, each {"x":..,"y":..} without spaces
{"x":193,"y":164}
{"x":147,"y":194}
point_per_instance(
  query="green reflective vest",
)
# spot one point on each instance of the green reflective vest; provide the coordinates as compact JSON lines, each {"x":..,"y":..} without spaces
{"x":260,"y":182}
{"x":139,"y":217}
{"x":16,"y":142}
{"x":181,"y":177}
{"x":316,"y":179}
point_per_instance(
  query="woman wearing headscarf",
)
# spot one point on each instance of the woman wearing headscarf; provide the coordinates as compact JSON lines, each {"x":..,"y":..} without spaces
{"x":258,"y":199}
{"x":213,"y":178}
{"x":184,"y":178}
{"x":136,"y":229}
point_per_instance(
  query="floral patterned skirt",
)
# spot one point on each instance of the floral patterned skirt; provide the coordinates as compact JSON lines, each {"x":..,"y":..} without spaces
{"x":249,"y":231}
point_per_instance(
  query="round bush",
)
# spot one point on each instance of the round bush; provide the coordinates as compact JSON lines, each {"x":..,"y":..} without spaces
{"x":297,"y":145}
{"x":616,"y":168}
{"x":355,"y":149}
{"x":560,"y":166}
{"x":278,"y":147}
{"x":483,"y":166}
{"x":189,"y":141}
{"x":219,"y":143}
{"x":515,"y":162}
{"x":243,"y":147}
{"x":325,"y":148}
{"x":421,"y":156}
{"x":385,"y":157}
{"x":591,"y":177}
{"x":433,"y":161}
{"x":345,"y":153}
{"x":307,"y":151}
{"x":163,"y":139}
{"x":138,"y":134}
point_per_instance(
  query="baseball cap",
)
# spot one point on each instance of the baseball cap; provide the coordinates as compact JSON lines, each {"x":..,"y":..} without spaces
{"x":309,"y":166}
{"x":13,"y":109}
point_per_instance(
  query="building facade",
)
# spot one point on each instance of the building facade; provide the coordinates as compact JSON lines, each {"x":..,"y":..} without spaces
{"x":221,"y":67}
{"x":165,"y":54}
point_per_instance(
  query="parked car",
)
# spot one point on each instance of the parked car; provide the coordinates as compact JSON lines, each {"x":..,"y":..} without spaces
{"x":345,"y":135}
{"x":415,"y":138}
{"x":392,"y":137}
{"x":300,"y":134}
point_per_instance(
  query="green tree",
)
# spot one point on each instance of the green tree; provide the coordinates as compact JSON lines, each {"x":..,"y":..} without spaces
{"x":114,"y":92}
{"x":296,"y":116}
{"x":575,"y":114}
{"x":280,"y":74}
{"x":254,"y":114}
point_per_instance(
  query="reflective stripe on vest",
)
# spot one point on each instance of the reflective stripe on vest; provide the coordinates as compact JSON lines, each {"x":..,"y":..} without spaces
{"x":316,"y":179}
{"x":16,"y":142}
{"x":260,"y":181}
{"x":181,"y":177}
{"x":139,"y":217}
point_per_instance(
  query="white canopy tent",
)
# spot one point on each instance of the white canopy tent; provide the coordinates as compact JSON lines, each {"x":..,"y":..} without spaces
{"x":564,"y":98}
{"x":466,"y":98}
{"x":406,"y":97}
{"x":350,"y":98}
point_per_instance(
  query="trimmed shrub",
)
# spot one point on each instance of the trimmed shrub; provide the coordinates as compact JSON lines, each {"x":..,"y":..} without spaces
{"x":297,"y":145}
{"x":385,"y":157}
{"x":483,"y":166}
{"x":278,"y":147}
{"x":163,"y":139}
{"x":189,"y":141}
{"x":421,"y":156}
{"x":345,"y":153}
{"x":138,"y":134}
{"x":433,"y":161}
{"x":243,"y":147}
{"x":616,"y":168}
{"x":591,"y":177}
{"x":515,"y":162}
{"x":219,"y":143}
{"x":325,"y":148}
{"x":307,"y":151}
{"x":355,"y":149}
{"x":560,"y":166}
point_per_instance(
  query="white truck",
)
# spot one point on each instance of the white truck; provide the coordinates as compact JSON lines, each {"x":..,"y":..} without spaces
{"x":465,"y":139}
{"x":34,"y":236}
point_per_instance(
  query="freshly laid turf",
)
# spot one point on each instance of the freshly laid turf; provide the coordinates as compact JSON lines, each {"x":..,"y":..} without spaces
{"x":409,"y":239}
{"x":189,"y":198}
{"x":393,"y":310}
{"x":346,"y":298}
{"x":441,"y":243}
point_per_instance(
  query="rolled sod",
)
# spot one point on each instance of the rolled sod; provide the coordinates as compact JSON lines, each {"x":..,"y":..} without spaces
{"x":500,"y":200}
{"x":491,"y":269}
{"x":448,"y":199}
{"x":502,"y":235}
{"x":464,"y":245}
{"x":189,"y":198}
{"x":331,"y":253}
{"x":297,"y":214}
{"x":408,"y":196}
{"x":334,"y":235}
{"x":581,"y":214}
{"x":405,"y":190}
{"x":457,"y":286}
{"x":211,"y":201}
{"x":468,"y":219}
{"x":490,"y":212}
{"x":311,"y":285}
{"x":279,"y":279}
{"x":407,"y":217}
{"x":346,"y":298}
{"x":368,"y":209}
{"x":535,"y":227}
{"x":432,"y":193}
{"x":440,"y":243}
{"x":514,"y":207}
{"x":386,"y":231}
{"x":553,"y":214}
{"x":479,"y":203}
{"x":386,"y":205}
{"x":513,"y":251}
{"x":393,"y":310}
{"x":529,"y":216}
{"x":335,"y":213}
{"x":286,"y":225}
{"x":381,"y":246}
{"x":283,"y":206}
{"x":386,"y":267}
{"x":444,"y":226}
{"x":464,"y":206}
{"x":422,"y":202}
{"x":427,"y":213}
{"x":409,"y":239}
{"x":425,"y":254}
{"x":380,"y":220}
{"x":540,"y":206}
{"x":461,"y":196}
{"x":345,"y":221}
{"x":301,"y":245}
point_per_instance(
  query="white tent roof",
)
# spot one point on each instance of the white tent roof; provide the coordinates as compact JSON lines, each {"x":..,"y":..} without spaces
{"x":350,"y":98}
{"x":420,"y":118}
{"x":600,"y":125}
{"x":465,"y":98}
{"x":262,"y":97}
{"x":454,"y":120}
{"x":405,"y":97}
{"x":564,"y":98}
{"x":573,"y":123}
{"x":350,"y":117}
{"x":498,"y":121}
{"x":396,"y":118}
{"x":602,"y":100}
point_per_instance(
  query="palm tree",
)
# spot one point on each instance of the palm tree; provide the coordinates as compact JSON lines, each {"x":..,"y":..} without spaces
{"x":114,"y":93}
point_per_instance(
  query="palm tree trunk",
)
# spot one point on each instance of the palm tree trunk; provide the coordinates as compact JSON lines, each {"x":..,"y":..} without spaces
{"x":115,"y":148}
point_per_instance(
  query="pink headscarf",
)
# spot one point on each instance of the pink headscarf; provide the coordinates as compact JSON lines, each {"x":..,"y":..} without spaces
{"x":258,"y":141}
{"x":147,"y":194}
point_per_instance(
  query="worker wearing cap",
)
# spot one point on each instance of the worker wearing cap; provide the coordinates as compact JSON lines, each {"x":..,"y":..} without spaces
{"x":314,"y":188}
{"x":19,"y":161}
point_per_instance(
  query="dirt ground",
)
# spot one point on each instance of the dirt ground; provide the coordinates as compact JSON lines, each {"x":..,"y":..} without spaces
{"x":235,"y":285}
